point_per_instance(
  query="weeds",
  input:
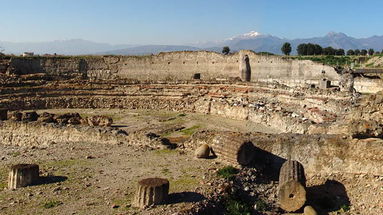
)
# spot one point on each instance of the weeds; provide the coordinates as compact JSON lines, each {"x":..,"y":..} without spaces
{"x":52,"y":204}
{"x":227,"y":172}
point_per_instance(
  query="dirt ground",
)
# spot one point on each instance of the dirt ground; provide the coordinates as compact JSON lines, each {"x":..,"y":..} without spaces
{"x":83,"y":178}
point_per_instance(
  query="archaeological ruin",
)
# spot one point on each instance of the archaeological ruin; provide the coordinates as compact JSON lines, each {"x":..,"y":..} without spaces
{"x":188,"y":133}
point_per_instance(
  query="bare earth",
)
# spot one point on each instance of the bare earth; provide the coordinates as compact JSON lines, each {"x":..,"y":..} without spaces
{"x":101,"y":179}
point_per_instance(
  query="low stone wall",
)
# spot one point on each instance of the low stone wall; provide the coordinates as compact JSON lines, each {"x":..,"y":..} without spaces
{"x":30,"y":134}
{"x":319,"y":154}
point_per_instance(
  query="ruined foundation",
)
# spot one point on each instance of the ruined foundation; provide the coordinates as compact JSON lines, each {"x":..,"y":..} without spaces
{"x":327,"y":125}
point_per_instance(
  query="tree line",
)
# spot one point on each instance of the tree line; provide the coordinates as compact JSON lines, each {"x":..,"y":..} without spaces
{"x":315,"y":49}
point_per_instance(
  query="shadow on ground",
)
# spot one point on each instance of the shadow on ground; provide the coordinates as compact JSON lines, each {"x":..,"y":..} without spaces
{"x":182,"y":197}
{"x":328,"y":197}
{"x":51,"y":179}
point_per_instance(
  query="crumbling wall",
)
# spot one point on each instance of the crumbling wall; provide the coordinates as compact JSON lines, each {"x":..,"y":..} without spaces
{"x":276,"y":67}
{"x":170,"y":66}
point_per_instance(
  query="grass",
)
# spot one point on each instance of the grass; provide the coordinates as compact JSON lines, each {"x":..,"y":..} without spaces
{"x":235,"y":206}
{"x":165,"y":151}
{"x":183,"y":183}
{"x":227,"y":172}
{"x":14,"y":154}
{"x":344,"y":208}
{"x":3,"y":178}
{"x":329,"y":60}
{"x":52,"y":204}
{"x":190,"y":131}
{"x":261,"y":205}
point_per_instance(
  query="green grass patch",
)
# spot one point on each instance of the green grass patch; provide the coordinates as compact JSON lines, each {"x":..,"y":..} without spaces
{"x":236,"y":206}
{"x":165,"y":151}
{"x":329,"y":60}
{"x":15,"y":154}
{"x":52,"y":204}
{"x":183,"y":183}
{"x":3,"y":178}
{"x":190,"y":131}
{"x":227,"y":172}
{"x":261,"y":205}
{"x":370,"y":65}
{"x":344,"y":208}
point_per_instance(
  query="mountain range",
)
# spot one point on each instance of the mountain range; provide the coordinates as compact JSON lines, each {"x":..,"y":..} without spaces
{"x":252,"y":41}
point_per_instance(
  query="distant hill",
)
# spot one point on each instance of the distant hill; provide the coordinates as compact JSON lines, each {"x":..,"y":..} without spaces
{"x":268,"y":43}
{"x":252,"y":41}
{"x":149,"y":49}
{"x":65,"y":47}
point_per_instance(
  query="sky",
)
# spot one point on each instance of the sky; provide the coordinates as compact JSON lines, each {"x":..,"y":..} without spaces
{"x":184,"y":21}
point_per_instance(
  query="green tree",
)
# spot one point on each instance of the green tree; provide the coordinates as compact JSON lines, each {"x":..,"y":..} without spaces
{"x":310,"y":49}
{"x":329,"y":51}
{"x":371,"y":52}
{"x":286,"y":49}
{"x":340,"y":52}
{"x":350,"y":52}
{"x":363,"y":52}
{"x":357,"y":52}
{"x":226,"y":50}
{"x":318,"y":49}
{"x":302,"y":49}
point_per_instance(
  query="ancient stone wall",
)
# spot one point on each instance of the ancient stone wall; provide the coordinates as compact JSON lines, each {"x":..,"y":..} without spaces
{"x":170,"y":66}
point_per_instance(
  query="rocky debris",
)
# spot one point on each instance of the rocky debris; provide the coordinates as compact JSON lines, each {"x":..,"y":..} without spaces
{"x":366,"y":129}
{"x":68,"y":118}
{"x":30,"y":116}
{"x":202,"y":151}
{"x":249,"y":187}
{"x":47,"y":118}
{"x":16,"y":116}
{"x":103,"y":121}
{"x":153,"y":141}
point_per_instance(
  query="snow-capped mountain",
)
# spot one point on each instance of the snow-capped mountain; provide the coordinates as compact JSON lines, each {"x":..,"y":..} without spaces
{"x":252,"y":40}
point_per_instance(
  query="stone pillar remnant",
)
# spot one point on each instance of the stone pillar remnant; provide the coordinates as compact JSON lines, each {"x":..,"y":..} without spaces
{"x":292,"y":186}
{"x":151,"y":191}
{"x":245,"y":68}
{"x":23,"y":175}
{"x":234,"y":149}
